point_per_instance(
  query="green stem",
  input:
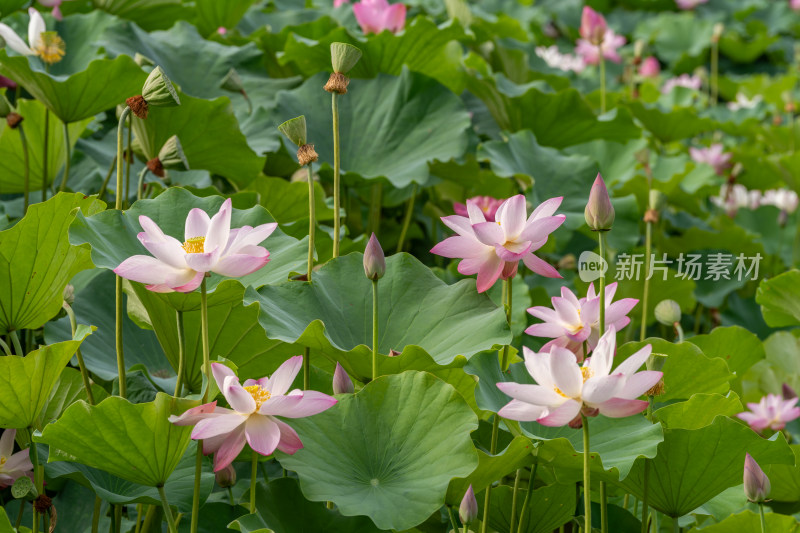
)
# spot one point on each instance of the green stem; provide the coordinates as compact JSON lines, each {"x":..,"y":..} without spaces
{"x":678,"y":331}
{"x":151,"y":517}
{"x":118,"y":518}
{"x":128,"y":158}
{"x":102,"y":194}
{"x":375,"y":208}
{"x":511,"y":529}
{"x":120,"y":156}
{"x":45,"y":147}
{"x":123,"y":385}
{"x":407,"y":219}
{"x":5,"y":347}
{"x":64,"y":179}
{"x":87,"y":384}
{"x":451,"y":515}
{"x":140,"y":184}
{"x":528,"y":492}
{"x":603,"y":507}
{"x":763,"y":518}
{"x":167,"y":510}
{"x":38,"y":480}
{"x":645,"y":508}
{"x":198,"y":472}
{"x":138,"y":523}
{"x":601,"y":239}
{"x":336,"y":175}
{"x":15,"y":342}
{"x":312,"y":221}
{"x":374,"y":328}
{"x":648,"y":246}
{"x":181,"y":355}
{"x":587,"y":485}
{"x":18,"y":523}
{"x":198,"y":469}
{"x":602,"y":81}
{"x":27,"y":183}
{"x":306,"y":368}
{"x":253,"y":480}
{"x":675,"y":527}
{"x":96,"y":514}
{"x":714,"y":71}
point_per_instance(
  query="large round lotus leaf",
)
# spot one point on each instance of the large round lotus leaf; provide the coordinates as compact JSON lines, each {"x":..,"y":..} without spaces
{"x":389,"y":127}
{"x":37,"y":261}
{"x":388,"y":452}
{"x":112,"y":235}
{"x":416,"y":310}
{"x":751,"y":521}
{"x":548,"y":508}
{"x":103,"y":85}
{"x":780,"y":299}
{"x":150,"y":15}
{"x":101,"y":437}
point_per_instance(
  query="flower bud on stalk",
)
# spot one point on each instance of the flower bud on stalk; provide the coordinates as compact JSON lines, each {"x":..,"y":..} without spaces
{"x":374,"y":259}
{"x":226,"y":477}
{"x":593,"y":26}
{"x":342,"y":384}
{"x":157,"y":91}
{"x":756,"y":483}
{"x":599,"y":212}
{"x":468,"y":510}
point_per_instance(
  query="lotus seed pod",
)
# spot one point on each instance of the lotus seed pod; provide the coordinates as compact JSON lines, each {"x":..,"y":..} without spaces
{"x":344,"y":57}
{"x":668,"y":312}
{"x":171,"y":155}
{"x":226,"y":477}
{"x":158,"y":90}
{"x":295,"y":130}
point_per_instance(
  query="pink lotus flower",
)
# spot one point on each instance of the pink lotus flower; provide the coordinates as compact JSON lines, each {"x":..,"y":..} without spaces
{"x":593,"y":26}
{"x":756,"y":483}
{"x":572,"y":322}
{"x":340,"y":3}
{"x":375,"y":16}
{"x":590,"y":53}
{"x":784,"y":199}
{"x":794,"y":4}
{"x":210,"y":246}
{"x":56,"y":5}
{"x":252,"y":417}
{"x":684,"y":80}
{"x":771,"y":412}
{"x":689,"y":4}
{"x":650,"y":68}
{"x":493,"y":250}
{"x":12,"y":465}
{"x":564,"y":388}
{"x":487,"y":204}
{"x":714,"y":155}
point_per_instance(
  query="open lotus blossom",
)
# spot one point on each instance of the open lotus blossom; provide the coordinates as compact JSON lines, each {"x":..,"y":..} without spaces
{"x":210,"y":246}
{"x":650,"y":68}
{"x":713,"y":155}
{"x":555,"y":59}
{"x":375,"y":16}
{"x":734,"y":197}
{"x":487,"y":204}
{"x":252,"y":416}
{"x":493,"y":250}
{"x":784,"y":199}
{"x":689,"y":4}
{"x":572,"y":321}
{"x":684,"y":80}
{"x":743,"y":102}
{"x":45,"y":44}
{"x":772,"y":412}
{"x":590,"y":53}
{"x":564,"y":388}
{"x":12,"y":465}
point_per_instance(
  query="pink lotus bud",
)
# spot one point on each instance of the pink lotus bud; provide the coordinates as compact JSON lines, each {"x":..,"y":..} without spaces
{"x":226,"y":477}
{"x":374,"y":260}
{"x":593,"y":26}
{"x":788,"y":392}
{"x":599,"y":212}
{"x":756,"y":482}
{"x":468,"y":511}
{"x":342,"y":384}
{"x":650,"y":68}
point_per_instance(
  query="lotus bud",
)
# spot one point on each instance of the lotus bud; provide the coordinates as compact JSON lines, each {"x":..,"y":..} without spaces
{"x":226,"y":477}
{"x":157,"y":91}
{"x":468,"y":510}
{"x":599,"y":212}
{"x":756,"y":482}
{"x":668,"y":312}
{"x":374,"y":260}
{"x":593,"y":26}
{"x":342,"y":384}
{"x":169,"y":157}
{"x":232,"y":82}
{"x":5,"y":106}
{"x":788,"y":392}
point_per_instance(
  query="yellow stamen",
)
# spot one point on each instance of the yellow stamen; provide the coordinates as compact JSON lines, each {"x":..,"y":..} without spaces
{"x":558,"y":391}
{"x":50,"y":48}
{"x":259,"y":395}
{"x":195,"y":245}
{"x":586,"y":372}
{"x":3,"y":461}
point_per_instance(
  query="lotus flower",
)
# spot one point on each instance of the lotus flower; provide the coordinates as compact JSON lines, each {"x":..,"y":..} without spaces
{"x":783,"y":199}
{"x":487,"y":204}
{"x":210,"y":246}
{"x":555,"y":59}
{"x":590,"y":53}
{"x":252,"y":417}
{"x":45,"y":44}
{"x":493,"y":250}
{"x":571,"y":321}
{"x":689,"y":4}
{"x":650,"y":68}
{"x":734,"y":197}
{"x":684,"y":80}
{"x":12,"y":465}
{"x":794,"y":4}
{"x":468,"y":510}
{"x":593,"y":26}
{"x":714,"y":155}
{"x":375,"y":16}
{"x":599,"y":212}
{"x":772,"y":412}
{"x":756,"y":483}
{"x":565,"y":388}
{"x":743,"y":102}
{"x":56,"y":5}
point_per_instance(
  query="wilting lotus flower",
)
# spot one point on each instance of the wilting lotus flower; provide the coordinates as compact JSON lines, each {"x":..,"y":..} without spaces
{"x":564,"y":388}
{"x":590,"y":53}
{"x":493,"y":250}
{"x":487,"y":204}
{"x":689,"y":4}
{"x":684,"y":80}
{"x":650,"y":68}
{"x":45,"y":44}
{"x":251,"y":419}
{"x":756,"y":483}
{"x":12,"y":465}
{"x":771,"y":412}
{"x":210,"y":246}
{"x":593,"y":26}
{"x":714,"y":155}
{"x":572,"y":322}
{"x":374,"y":16}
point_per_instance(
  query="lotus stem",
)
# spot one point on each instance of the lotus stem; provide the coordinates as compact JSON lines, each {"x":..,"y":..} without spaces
{"x":101,"y":195}
{"x":198,"y":472}
{"x":198,"y":469}
{"x":514,"y":501}
{"x":27,"y":183}
{"x":645,"y":508}
{"x":16,"y":343}
{"x":5,"y":347}
{"x":648,"y":246}
{"x":407,"y":219}
{"x":123,"y":388}
{"x":763,"y":518}
{"x":44,"y":153}
{"x":38,"y":480}
{"x":64,"y":179}
{"x":527,"y":496}
{"x":167,"y":510}
{"x":374,"y":329}
{"x":678,"y":331}
{"x":140,"y":184}
{"x":601,"y":239}
{"x":96,"y":514}
{"x":676,"y":528}
{"x":587,"y":485}
{"x":181,"y":355}
{"x":602,"y":81}
{"x":337,"y":199}
{"x":128,"y":157}
{"x":253,"y":481}
{"x":312,"y":226}
{"x":87,"y":384}
{"x":453,"y":522}
{"x":714,"y":71}
{"x":603,"y":507}
{"x":120,"y":155}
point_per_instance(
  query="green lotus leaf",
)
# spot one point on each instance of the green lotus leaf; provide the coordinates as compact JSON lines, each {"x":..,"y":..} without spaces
{"x":739,"y":348}
{"x":147,"y":14}
{"x":403,"y":437}
{"x":5,"y":522}
{"x":288,"y":201}
{"x":411,"y":132}
{"x":37,"y":261}
{"x":672,"y":125}
{"x":212,"y":14}
{"x":103,"y":85}
{"x":779,"y":299}
{"x":751,"y":521}
{"x":786,"y":481}
{"x":69,"y":389}
{"x":100,"y":436}
{"x":698,"y":411}
{"x":549,"y":508}
{"x":333,"y":314}
{"x":27,"y":382}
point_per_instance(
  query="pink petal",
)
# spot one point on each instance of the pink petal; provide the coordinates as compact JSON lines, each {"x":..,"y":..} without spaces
{"x":524,"y":412}
{"x":282,"y":379}
{"x":539,"y":266}
{"x":538,"y":366}
{"x":151,"y":271}
{"x":395,"y":18}
{"x":18,"y":463}
{"x":600,"y":389}
{"x":203,"y":262}
{"x":603,"y":355}
{"x":196,"y":224}
{"x":459,"y":224}
{"x":638,"y":384}
{"x":533,"y":394}
{"x":230,"y":448}
{"x":247,"y":236}
{"x":7,"y":442}
{"x":545,"y":209}
{"x":219,"y":425}
{"x":458,"y":246}
{"x":167,"y":249}
{"x":220,"y":372}
{"x":512,"y":252}
{"x":566,"y":372}
{"x":619,"y":408}
{"x":511,"y":216}
{"x":192,"y":416}
{"x":546,"y":329}
{"x":290,"y":441}
{"x":192,"y":284}
{"x":219,"y":228}
{"x":541,"y":228}
{"x":489,"y":233}
{"x":635,"y":361}
{"x":238,"y":265}
{"x":300,"y":405}
{"x":239,"y":399}
{"x":263,"y":435}
{"x":489,"y":272}
{"x":561,"y":416}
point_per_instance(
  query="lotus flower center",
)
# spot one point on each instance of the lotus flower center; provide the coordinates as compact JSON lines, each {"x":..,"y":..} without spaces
{"x":259,"y":395}
{"x":50,"y":47}
{"x":586,"y":372}
{"x":195,"y":245}
{"x":3,"y":460}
